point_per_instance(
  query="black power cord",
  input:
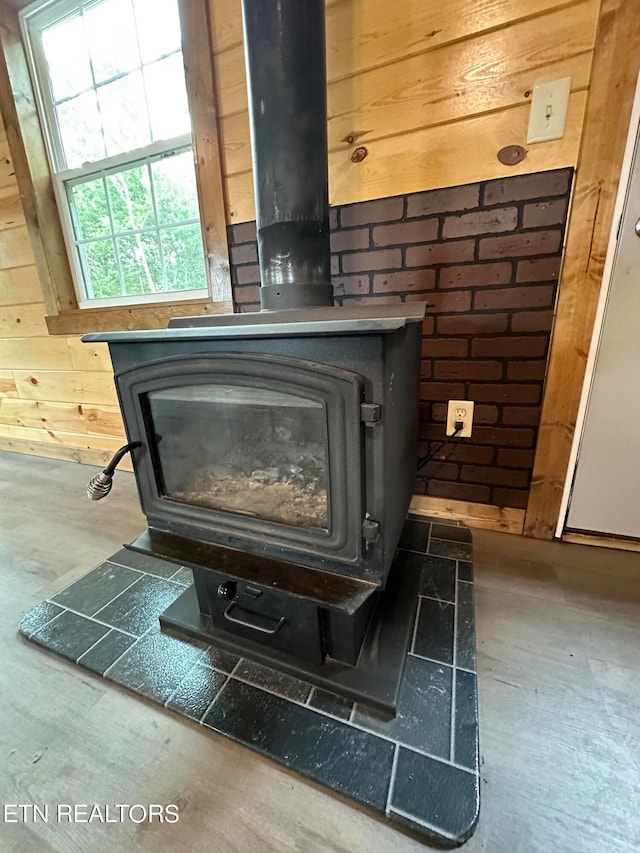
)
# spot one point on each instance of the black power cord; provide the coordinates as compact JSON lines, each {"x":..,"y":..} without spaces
{"x":459,"y":426}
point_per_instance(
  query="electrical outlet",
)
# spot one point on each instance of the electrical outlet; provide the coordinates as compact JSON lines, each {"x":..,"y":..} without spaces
{"x":548,"y":112}
{"x":460,"y":410}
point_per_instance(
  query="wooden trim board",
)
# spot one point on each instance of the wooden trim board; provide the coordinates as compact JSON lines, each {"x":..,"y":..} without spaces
{"x":31,"y":166}
{"x":605,"y":289}
{"x":202,"y":95}
{"x":602,"y":541}
{"x":483,"y":516}
{"x":613,"y":81}
{"x":123,"y":317}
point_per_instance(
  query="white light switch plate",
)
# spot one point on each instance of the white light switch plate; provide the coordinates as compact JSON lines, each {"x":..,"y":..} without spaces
{"x":548,"y":113}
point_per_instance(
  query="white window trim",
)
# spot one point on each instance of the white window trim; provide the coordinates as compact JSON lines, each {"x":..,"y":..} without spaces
{"x":59,"y":184}
{"x":35,"y":59}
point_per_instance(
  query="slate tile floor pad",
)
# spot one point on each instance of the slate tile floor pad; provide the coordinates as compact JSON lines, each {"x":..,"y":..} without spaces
{"x":418,"y":770}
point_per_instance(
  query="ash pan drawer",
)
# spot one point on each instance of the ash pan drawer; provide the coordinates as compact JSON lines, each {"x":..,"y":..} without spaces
{"x":284,"y":622}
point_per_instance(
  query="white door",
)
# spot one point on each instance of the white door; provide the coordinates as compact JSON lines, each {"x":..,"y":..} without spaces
{"x":606,"y":489}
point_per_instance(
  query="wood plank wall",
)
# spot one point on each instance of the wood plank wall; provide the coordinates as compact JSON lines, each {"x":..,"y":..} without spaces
{"x":57,"y":396}
{"x":433,"y":90}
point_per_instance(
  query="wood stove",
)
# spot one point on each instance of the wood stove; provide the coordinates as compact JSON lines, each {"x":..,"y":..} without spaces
{"x":275,"y":453}
{"x":290,"y":436}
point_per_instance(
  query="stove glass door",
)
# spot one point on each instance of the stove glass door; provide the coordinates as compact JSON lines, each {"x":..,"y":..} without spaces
{"x":246,"y":450}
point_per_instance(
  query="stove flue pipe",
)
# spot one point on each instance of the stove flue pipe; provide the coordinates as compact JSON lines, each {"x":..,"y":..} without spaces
{"x":286,"y":74}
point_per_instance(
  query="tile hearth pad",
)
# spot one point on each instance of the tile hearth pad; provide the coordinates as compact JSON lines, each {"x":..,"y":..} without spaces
{"x":425,"y":760}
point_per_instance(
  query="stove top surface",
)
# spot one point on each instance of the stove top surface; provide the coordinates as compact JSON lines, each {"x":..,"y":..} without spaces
{"x":363,"y":319}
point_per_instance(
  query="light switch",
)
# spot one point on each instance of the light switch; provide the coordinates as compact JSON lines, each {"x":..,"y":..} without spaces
{"x":548,"y":114}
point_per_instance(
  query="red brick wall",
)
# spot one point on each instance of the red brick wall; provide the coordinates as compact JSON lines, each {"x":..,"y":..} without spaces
{"x":487,"y":257}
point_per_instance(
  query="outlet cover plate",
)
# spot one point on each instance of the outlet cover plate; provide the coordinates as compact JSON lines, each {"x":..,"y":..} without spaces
{"x":460,"y":410}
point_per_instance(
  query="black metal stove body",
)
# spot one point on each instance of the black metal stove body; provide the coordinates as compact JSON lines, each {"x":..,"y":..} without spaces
{"x":278,"y":450}
{"x":292,"y":437}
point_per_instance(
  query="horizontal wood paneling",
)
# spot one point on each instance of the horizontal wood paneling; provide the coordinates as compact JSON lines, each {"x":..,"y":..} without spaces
{"x":15,"y":248}
{"x":53,"y":353}
{"x":22,"y":321}
{"x":35,"y":353}
{"x":434,"y":157}
{"x":7,"y":384}
{"x":87,"y":456}
{"x":363,"y":34}
{"x":372,"y":123}
{"x":423,"y":92}
{"x":11,"y":212}
{"x":65,"y":417}
{"x":19,"y":285}
{"x":440,"y":156}
{"x":61,"y":439}
{"x":88,"y":356}
{"x":64,"y":439}
{"x":382,"y":111}
{"x":57,"y":396}
{"x":482,"y":74}
{"x":102,"y":420}
{"x":78,"y":386}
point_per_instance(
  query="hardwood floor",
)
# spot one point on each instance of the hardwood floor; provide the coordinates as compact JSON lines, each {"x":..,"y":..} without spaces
{"x":559,"y":675}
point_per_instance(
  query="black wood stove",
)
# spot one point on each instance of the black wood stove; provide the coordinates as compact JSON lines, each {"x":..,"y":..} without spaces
{"x":275,"y":453}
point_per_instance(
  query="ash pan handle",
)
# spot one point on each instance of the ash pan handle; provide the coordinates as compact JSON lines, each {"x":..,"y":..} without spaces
{"x":252,"y":620}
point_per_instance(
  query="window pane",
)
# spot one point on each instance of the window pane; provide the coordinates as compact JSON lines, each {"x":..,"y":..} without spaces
{"x":111,"y":74}
{"x":130,"y":199}
{"x":140,"y":264}
{"x":67,"y":58}
{"x":100,"y":269}
{"x":112,"y":38}
{"x":158,"y":27}
{"x":167,"y":98}
{"x":184,"y":258}
{"x":124,"y":114}
{"x":80,"y":130}
{"x":89,"y":208}
{"x":174,"y":182}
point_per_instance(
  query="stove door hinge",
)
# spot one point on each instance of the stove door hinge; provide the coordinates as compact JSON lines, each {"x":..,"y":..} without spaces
{"x":370,"y":530}
{"x":370,"y":413}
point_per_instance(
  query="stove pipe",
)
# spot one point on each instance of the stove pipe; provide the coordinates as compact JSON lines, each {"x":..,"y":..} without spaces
{"x":286,"y":74}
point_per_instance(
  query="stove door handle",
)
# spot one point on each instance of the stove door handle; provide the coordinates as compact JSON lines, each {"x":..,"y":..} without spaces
{"x":248,"y":622}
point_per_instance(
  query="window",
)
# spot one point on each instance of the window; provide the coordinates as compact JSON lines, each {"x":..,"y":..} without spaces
{"x":111,"y":93}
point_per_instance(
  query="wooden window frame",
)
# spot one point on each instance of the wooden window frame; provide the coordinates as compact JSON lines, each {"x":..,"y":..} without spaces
{"x":43,"y":218}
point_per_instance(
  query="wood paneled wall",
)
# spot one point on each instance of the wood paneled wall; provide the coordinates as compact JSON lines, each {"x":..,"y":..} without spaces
{"x":57,"y":396}
{"x":433,"y":90}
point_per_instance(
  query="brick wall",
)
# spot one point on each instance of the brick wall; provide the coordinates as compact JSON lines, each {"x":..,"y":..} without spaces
{"x":487,"y":257}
